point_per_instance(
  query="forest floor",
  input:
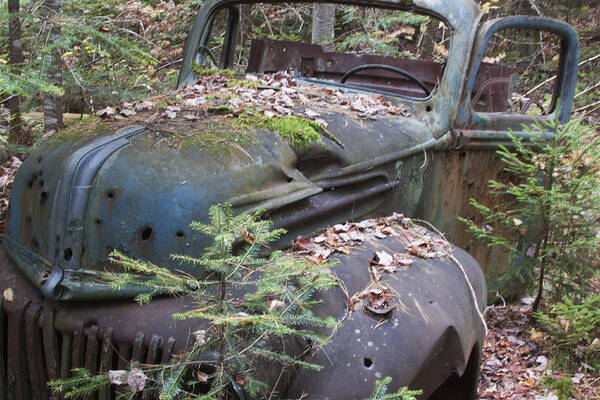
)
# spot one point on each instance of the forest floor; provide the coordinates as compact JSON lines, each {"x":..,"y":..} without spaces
{"x":516,"y":361}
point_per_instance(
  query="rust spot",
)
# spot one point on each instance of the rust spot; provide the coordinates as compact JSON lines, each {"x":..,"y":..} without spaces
{"x":113,"y":193}
{"x":145,"y":233}
{"x":35,"y":245}
{"x":68,"y":254}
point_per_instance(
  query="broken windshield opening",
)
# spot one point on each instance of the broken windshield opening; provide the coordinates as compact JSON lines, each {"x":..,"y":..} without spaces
{"x":375,"y":49}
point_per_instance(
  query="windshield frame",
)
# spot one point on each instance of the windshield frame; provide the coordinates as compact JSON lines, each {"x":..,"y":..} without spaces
{"x":461,"y":18}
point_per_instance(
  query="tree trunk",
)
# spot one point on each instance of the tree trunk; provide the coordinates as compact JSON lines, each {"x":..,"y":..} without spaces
{"x":52,"y":104}
{"x":16,"y":132}
{"x":323,"y":25}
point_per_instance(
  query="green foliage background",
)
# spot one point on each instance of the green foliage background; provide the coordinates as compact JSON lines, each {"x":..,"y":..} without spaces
{"x":548,"y":215}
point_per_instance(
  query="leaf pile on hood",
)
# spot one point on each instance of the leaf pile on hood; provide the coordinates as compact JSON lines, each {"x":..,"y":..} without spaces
{"x":376,"y":297}
{"x":342,"y":238}
{"x":274,"y":95}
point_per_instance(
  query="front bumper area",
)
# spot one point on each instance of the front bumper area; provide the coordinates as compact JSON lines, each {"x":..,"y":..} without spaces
{"x":431,"y":340}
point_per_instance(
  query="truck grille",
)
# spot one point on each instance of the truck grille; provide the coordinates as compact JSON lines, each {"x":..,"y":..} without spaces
{"x":33,"y":352}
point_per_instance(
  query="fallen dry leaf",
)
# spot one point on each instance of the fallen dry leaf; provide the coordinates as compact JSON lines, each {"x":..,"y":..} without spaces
{"x":202,"y":376}
{"x":383,"y":258}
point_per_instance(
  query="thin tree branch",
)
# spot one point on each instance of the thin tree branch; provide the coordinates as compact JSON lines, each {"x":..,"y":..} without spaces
{"x":588,"y":90}
{"x":168,"y":65}
{"x":594,"y":109}
{"x":535,"y":8}
{"x":554,"y":77}
{"x":12,"y":96}
{"x":138,"y":36}
{"x":584,"y":108}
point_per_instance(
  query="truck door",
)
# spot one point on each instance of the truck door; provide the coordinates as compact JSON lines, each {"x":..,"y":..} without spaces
{"x":522,"y":69}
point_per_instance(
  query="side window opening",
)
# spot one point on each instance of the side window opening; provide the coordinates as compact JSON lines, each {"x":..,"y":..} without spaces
{"x":519,"y":73}
{"x":210,"y":53}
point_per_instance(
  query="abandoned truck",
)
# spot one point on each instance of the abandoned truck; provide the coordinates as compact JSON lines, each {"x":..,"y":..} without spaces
{"x":316,"y":136}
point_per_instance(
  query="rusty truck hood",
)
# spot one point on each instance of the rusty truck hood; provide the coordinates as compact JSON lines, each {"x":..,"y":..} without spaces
{"x":107,"y":185}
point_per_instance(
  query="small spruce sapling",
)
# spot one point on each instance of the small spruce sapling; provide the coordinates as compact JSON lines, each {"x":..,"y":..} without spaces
{"x":575,"y":332}
{"x":381,"y":387}
{"x":244,"y":301}
{"x":548,"y":218}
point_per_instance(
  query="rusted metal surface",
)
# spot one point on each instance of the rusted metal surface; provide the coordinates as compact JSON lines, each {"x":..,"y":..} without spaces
{"x":461,"y":175}
{"x":77,"y":197}
{"x":267,"y":55}
{"x":75,"y":200}
{"x":423,"y":341}
{"x":312,"y":62}
{"x":107,"y":335}
{"x":45,"y":340}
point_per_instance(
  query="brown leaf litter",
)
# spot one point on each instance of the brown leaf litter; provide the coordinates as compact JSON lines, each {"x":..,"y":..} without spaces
{"x":343,"y":238}
{"x":516,"y":359}
{"x":274,"y":95}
